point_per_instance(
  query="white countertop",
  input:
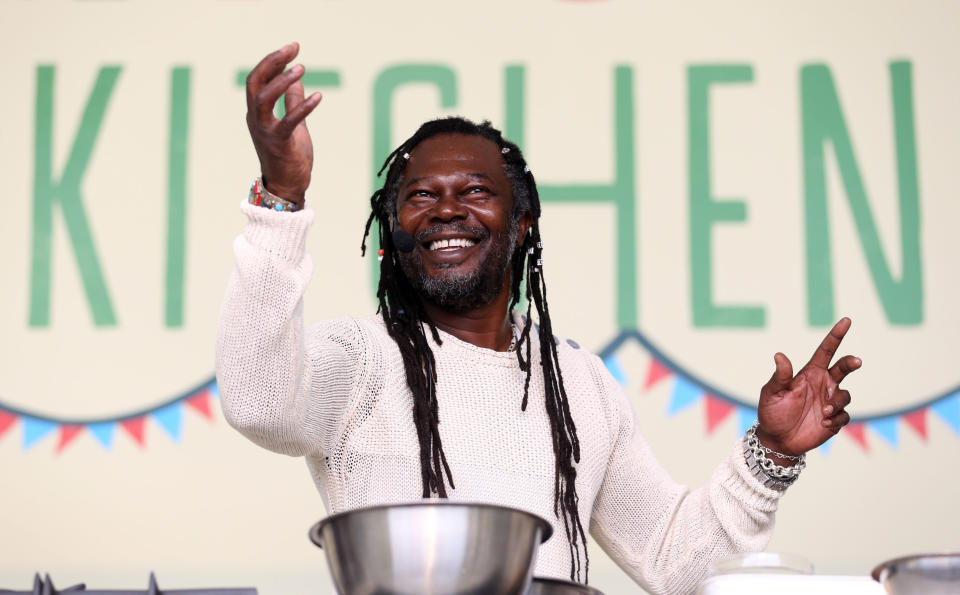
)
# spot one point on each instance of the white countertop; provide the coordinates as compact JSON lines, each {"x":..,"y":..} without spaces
{"x":789,"y":584}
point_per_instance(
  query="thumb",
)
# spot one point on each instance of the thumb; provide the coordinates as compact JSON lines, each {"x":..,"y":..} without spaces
{"x":782,"y":374}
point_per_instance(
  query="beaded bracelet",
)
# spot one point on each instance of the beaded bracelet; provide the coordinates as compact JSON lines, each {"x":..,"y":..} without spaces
{"x":262,"y":197}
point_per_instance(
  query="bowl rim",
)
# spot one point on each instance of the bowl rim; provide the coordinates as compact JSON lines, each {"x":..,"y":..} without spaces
{"x":560,"y":581}
{"x":315,"y":531}
{"x":875,"y":573}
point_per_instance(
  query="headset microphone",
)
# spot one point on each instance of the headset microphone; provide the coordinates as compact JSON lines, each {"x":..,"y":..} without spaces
{"x":402,"y":240}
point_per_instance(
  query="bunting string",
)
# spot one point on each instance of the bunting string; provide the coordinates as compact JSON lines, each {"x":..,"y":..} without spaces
{"x":167,"y":415}
{"x":686,"y":391}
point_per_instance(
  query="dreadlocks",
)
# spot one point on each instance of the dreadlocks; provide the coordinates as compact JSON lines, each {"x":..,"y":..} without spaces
{"x":407,"y":323}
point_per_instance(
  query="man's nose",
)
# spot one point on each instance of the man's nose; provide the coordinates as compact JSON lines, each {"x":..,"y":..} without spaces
{"x":448,"y":207}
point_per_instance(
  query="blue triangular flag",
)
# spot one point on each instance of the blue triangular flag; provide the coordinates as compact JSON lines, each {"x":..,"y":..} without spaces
{"x":613,"y":365}
{"x":685,"y":393}
{"x":103,"y":432}
{"x":886,"y":427}
{"x":824,"y":448}
{"x":745,"y":418}
{"x":214,"y":390}
{"x":949,"y":411}
{"x":170,"y":418}
{"x":35,"y":430}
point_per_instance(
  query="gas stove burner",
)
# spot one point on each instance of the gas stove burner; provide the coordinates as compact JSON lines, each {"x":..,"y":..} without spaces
{"x":45,"y":587}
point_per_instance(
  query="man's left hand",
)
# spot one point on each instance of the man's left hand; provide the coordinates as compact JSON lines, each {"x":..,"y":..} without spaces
{"x":799,"y":413}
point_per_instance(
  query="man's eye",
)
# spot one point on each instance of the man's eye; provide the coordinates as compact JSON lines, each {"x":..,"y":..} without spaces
{"x":477,"y":190}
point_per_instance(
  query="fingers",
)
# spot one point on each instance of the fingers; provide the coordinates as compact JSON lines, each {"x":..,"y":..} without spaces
{"x":271,"y":65}
{"x":271,"y":92}
{"x":782,"y":374}
{"x":293,"y":95}
{"x":297,"y":107}
{"x":837,"y":402}
{"x":844,"y":366}
{"x":837,"y":422}
{"x":828,"y":347}
{"x":835,"y":416}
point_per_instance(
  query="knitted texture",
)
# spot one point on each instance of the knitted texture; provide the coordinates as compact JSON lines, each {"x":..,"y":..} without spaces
{"x":335,"y":393}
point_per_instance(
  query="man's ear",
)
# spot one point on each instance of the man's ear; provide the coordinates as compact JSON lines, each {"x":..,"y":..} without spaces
{"x":523,"y":227}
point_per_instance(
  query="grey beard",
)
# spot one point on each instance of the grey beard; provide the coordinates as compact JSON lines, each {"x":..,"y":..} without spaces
{"x":463,"y":292}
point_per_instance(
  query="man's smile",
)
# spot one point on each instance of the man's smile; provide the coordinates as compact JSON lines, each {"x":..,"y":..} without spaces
{"x":451,"y":244}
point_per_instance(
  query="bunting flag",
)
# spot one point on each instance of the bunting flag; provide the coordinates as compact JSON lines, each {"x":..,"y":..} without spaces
{"x":887,"y":428}
{"x":67,"y":433}
{"x":717,"y":411}
{"x":825,"y":447}
{"x":615,"y":369}
{"x":858,"y":433}
{"x":201,"y":403}
{"x":949,"y":411}
{"x":655,"y":373}
{"x":685,"y":393}
{"x":134,"y":427}
{"x":745,"y":418}
{"x":918,"y":421}
{"x":6,"y":421}
{"x":169,"y":416}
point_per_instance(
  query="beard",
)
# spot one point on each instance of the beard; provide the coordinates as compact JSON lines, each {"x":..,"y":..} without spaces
{"x":463,"y":291}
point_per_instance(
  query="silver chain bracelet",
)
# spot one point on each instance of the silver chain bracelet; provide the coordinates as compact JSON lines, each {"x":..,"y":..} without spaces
{"x":775,"y":476}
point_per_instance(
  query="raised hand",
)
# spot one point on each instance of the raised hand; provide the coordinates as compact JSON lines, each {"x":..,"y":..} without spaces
{"x":799,"y":413}
{"x":283,"y":146}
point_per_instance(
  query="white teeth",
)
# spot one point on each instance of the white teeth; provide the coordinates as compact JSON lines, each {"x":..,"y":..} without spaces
{"x":451,"y":243}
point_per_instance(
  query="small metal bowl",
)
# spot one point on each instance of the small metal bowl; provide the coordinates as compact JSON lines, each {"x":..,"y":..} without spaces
{"x":431,"y":547}
{"x":927,"y":574}
{"x":554,"y":586}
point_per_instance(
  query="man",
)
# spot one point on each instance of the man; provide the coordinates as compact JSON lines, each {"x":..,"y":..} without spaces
{"x":529,"y":421}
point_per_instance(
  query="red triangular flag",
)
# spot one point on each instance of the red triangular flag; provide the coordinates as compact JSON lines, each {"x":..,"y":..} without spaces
{"x":201,"y":402}
{"x":134,"y":427}
{"x":858,"y":432}
{"x":67,"y":433}
{"x":655,"y":373}
{"x":717,"y":411}
{"x":918,"y":421}
{"x":6,"y":421}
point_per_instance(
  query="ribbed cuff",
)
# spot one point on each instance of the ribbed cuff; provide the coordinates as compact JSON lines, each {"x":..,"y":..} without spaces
{"x":745,"y":484}
{"x":282,"y":234}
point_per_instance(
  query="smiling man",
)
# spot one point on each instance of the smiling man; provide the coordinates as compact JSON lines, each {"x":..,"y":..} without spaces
{"x":529,"y":420}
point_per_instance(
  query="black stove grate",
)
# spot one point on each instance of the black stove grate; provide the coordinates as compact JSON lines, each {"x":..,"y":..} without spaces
{"x":45,"y":587}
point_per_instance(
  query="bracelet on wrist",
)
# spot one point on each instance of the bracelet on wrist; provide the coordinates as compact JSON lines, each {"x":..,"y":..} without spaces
{"x":262,"y":197}
{"x":765,"y":469}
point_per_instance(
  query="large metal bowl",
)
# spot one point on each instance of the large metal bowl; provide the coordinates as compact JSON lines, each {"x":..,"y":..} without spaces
{"x":926,"y":574}
{"x":431,"y":547}
{"x":553,"y":586}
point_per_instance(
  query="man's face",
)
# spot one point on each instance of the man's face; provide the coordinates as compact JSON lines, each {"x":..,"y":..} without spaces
{"x":456,"y":201}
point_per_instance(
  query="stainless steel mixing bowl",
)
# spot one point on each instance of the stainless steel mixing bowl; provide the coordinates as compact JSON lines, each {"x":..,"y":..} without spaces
{"x":431,"y":548}
{"x":926,"y":574}
{"x":553,"y":586}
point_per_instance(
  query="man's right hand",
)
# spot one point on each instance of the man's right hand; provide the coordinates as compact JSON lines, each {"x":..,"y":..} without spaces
{"x":283,"y":146}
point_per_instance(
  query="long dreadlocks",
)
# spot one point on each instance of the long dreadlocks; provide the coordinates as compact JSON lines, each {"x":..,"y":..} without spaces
{"x":405,"y":318}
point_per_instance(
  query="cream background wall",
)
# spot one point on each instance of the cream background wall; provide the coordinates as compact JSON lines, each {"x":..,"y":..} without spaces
{"x":156,"y":182}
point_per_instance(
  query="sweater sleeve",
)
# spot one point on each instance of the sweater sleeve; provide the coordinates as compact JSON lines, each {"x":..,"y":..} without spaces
{"x":664,"y":535}
{"x":281,"y":386}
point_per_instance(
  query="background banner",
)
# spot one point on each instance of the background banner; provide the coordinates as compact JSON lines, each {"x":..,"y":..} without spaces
{"x":721,"y":181}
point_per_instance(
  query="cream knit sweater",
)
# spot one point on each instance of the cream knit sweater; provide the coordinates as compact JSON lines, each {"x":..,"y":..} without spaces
{"x":335,"y":393}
